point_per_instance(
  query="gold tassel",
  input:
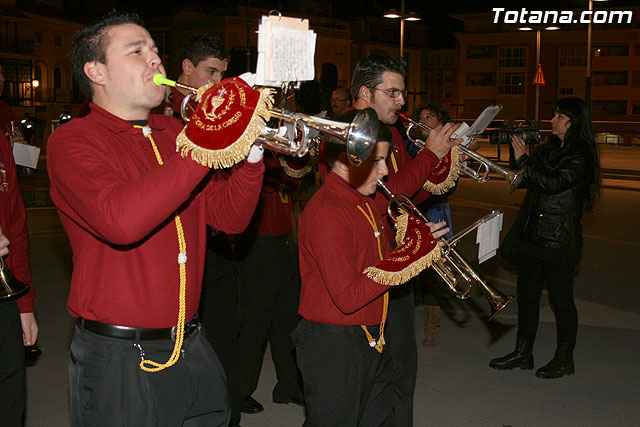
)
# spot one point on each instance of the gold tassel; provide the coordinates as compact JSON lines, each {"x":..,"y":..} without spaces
{"x":454,"y":174}
{"x":294,"y":173}
{"x":395,"y":278}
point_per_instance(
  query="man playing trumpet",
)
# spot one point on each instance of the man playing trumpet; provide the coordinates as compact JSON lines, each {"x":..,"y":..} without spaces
{"x":136,"y":213}
{"x":347,"y":267}
{"x":378,"y":83}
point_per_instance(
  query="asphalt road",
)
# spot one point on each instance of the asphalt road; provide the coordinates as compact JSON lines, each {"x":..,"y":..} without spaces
{"x":455,"y":385}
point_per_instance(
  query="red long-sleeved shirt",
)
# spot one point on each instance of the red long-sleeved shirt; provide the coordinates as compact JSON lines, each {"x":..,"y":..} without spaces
{"x":117,"y":206}
{"x":336,"y":243}
{"x":13,"y":223}
{"x":403,"y":160}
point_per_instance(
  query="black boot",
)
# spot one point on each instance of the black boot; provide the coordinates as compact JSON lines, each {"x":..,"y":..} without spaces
{"x":561,"y":364}
{"x":521,"y":357}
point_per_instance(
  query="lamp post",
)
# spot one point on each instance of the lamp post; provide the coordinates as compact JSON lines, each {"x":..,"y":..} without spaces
{"x":538,"y":37}
{"x":587,"y":91}
{"x":411,"y":16}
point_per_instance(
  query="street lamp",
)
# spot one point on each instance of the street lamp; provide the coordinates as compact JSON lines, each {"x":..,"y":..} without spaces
{"x":549,"y":28}
{"x":587,"y":92}
{"x":34,"y":84}
{"x":411,"y":16}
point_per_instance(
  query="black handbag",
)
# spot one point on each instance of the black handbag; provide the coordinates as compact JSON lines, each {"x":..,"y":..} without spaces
{"x":509,"y":249}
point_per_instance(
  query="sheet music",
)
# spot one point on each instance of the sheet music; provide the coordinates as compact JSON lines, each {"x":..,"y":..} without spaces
{"x":26,"y":155}
{"x":286,"y":50}
{"x":481,"y":123}
{"x":489,"y":238}
{"x":292,"y":55}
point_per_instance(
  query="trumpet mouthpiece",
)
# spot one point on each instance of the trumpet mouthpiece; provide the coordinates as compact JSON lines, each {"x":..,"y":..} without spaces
{"x":159,"y":80}
{"x":402,"y":115}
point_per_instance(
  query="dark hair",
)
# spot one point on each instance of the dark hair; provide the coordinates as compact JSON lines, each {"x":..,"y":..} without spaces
{"x":90,"y":44}
{"x":333,"y":146}
{"x":579,"y":136}
{"x":369,"y":71}
{"x":202,"y":46}
{"x":438,"y":110}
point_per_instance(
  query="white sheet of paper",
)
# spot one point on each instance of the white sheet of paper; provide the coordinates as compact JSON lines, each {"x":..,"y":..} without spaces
{"x":481,"y":123}
{"x":489,"y":238}
{"x":26,"y":155}
{"x":286,"y":50}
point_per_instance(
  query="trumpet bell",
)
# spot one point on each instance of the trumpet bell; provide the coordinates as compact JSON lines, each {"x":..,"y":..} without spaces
{"x":10,"y":287}
{"x":361,"y":136}
{"x":498,"y":301}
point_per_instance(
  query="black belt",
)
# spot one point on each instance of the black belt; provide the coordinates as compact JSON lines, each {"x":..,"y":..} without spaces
{"x":129,"y":333}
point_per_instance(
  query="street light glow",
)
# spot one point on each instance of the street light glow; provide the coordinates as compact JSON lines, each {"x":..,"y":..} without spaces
{"x":412,"y":16}
{"x":392,"y":13}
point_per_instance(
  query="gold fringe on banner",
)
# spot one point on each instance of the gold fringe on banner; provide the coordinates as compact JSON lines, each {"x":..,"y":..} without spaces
{"x":239,"y":149}
{"x":450,"y":181}
{"x":394,"y":278}
{"x":294,"y":173}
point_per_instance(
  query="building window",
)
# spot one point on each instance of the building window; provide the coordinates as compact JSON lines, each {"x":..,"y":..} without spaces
{"x":635,"y":108}
{"x":512,"y":57}
{"x":573,"y":56}
{"x":610,"y":108}
{"x":610,"y":78}
{"x":480,"y":52}
{"x":566,"y":91}
{"x":57,"y":40}
{"x":635,"y":79}
{"x":57,"y":79}
{"x":17,"y":83}
{"x":38,"y":37}
{"x":511,"y":83}
{"x":480,"y":79}
{"x":611,"y":51}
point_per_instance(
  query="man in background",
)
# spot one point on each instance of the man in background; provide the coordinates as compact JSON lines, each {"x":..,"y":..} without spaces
{"x":203,"y":59}
{"x":340,"y":101}
{"x":19,"y":326}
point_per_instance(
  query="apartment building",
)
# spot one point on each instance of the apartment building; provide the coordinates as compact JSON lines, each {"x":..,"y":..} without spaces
{"x":496,"y":63}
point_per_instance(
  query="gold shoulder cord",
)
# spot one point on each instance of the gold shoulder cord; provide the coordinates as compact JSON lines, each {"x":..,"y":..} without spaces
{"x":385,"y":303}
{"x":150,"y":365}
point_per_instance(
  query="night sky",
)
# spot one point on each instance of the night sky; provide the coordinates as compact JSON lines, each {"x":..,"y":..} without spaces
{"x":434,"y":13}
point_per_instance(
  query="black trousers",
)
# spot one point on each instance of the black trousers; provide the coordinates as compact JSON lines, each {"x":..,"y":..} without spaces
{"x":533,"y":275}
{"x":269,"y":283}
{"x":346,"y":382}
{"x":219,"y":312}
{"x":400,"y":335}
{"x":108,"y":388}
{"x":13,"y":379}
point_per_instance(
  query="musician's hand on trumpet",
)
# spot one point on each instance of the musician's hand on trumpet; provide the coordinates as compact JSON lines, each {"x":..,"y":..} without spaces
{"x":440,"y":141}
{"x":438,"y":229}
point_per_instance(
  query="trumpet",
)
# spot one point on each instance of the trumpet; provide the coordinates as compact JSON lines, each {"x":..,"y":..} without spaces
{"x":10,"y":287}
{"x":481,"y":174}
{"x":359,"y":136}
{"x":399,"y":204}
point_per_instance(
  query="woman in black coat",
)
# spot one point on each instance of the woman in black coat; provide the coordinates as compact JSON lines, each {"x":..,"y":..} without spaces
{"x":562,"y":178}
